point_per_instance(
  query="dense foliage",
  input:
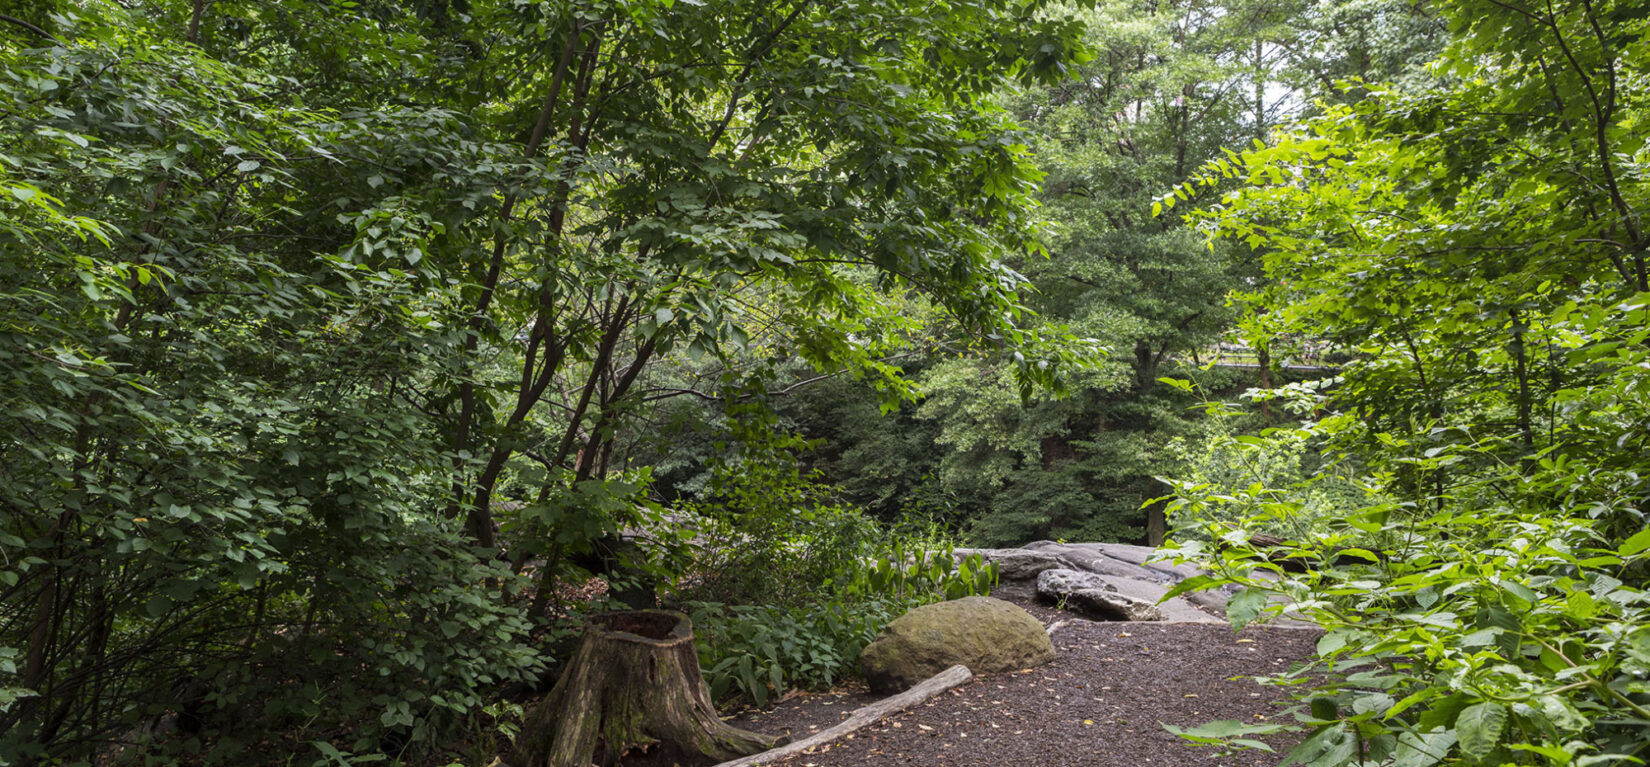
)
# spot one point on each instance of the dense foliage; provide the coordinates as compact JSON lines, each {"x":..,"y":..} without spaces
{"x":1475,"y":540}
{"x":1169,"y":86}
{"x":294,"y":293}
{"x":348,"y":350}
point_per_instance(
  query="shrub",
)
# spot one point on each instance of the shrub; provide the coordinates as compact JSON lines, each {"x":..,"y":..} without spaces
{"x":751,"y":651}
{"x":1492,"y":629}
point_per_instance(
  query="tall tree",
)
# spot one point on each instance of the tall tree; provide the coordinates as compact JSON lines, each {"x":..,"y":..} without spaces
{"x":288,"y":286}
{"x":1475,"y":246}
{"x":1166,"y":90}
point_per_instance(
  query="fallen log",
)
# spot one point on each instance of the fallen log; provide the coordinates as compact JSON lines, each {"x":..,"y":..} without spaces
{"x":867,"y":714}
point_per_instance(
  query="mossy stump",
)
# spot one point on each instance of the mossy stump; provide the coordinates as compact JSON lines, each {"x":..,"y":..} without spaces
{"x":633,"y":686}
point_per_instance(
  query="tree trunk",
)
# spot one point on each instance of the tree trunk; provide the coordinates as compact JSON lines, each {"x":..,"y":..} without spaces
{"x":634,"y":686}
{"x":1157,"y":525}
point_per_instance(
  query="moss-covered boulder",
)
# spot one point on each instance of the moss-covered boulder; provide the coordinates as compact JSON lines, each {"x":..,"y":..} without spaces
{"x":986,"y":635}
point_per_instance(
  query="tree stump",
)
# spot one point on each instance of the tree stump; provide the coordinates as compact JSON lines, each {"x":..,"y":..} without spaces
{"x":634,"y":685}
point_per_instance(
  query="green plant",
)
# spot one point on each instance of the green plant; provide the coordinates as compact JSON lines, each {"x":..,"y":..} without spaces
{"x":1482,"y":633}
{"x":754,"y":651}
{"x":923,"y":572}
{"x":1470,"y":248}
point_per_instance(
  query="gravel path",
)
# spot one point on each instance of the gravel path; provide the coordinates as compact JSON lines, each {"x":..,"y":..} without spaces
{"x":1101,"y":703}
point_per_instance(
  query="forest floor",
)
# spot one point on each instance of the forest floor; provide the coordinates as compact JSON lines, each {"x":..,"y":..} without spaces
{"x":1101,"y":703}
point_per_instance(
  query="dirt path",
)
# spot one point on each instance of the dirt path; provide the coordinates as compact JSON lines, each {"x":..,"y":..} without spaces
{"x":1099,"y":704}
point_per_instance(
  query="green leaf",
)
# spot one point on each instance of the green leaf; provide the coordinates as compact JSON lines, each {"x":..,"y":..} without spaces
{"x":1245,"y":606}
{"x":1422,"y":749}
{"x":1332,"y":641}
{"x":1330,"y":747}
{"x":1194,"y":583}
{"x":157,"y":606}
{"x":1524,"y":596}
{"x":1479,"y":727}
{"x":1635,"y":544}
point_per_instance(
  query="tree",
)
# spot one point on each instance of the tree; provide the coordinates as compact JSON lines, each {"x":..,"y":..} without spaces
{"x":1170,"y":85}
{"x":1471,"y":243}
{"x":290,"y":289}
{"x":1159,"y":96}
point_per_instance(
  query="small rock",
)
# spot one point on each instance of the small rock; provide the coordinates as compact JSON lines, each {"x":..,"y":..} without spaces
{"x":1054,"y":585}
{"x":1098,"y":604}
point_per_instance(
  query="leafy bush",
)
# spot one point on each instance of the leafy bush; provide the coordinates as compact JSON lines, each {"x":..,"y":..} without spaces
{"x":785,"y":586}
{"x":1487,"y":633}
{"x":755,"y":650}
{"x":1483,"y":595}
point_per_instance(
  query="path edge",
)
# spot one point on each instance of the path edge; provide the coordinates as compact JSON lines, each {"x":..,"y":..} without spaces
{"x":865,"y":715}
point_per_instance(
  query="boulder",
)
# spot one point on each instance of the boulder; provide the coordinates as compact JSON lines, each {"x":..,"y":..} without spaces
{"x":1102,"y":605}
{"x":986,"y":635}
{"x":1054,"y":585}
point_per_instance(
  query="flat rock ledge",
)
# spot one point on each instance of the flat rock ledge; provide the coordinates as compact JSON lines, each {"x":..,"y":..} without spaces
{"x":1123,"y":583}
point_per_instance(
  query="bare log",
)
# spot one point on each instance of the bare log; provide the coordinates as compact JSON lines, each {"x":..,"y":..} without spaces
{"x":867,"y":714}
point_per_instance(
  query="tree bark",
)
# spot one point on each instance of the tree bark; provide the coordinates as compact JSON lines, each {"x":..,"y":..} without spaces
{"x":634,"y":685}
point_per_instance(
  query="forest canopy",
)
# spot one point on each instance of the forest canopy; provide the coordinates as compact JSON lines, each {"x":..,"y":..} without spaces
{"x":348,"y":349}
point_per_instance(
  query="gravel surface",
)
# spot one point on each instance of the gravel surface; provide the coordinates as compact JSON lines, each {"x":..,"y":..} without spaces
{"x":1101,"y":703}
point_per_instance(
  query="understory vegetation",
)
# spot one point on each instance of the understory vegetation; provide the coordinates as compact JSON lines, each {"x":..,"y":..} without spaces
{"x":352,"y":351}
{"x":1462,"y":506}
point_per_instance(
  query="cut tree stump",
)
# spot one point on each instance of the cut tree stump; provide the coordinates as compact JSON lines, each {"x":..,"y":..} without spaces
{"x":633,"y":686}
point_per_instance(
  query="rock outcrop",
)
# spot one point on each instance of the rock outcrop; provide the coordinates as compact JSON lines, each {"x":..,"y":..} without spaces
{"x":1125,"y":579}
{"x":987,"y":635}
